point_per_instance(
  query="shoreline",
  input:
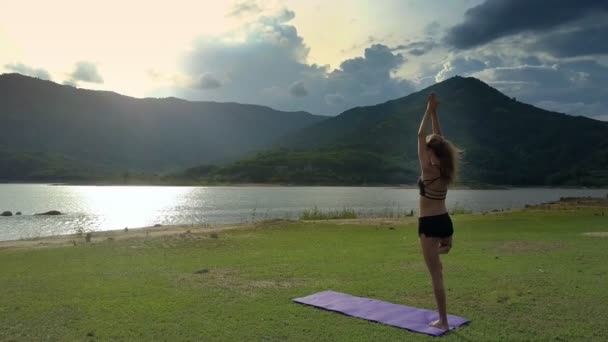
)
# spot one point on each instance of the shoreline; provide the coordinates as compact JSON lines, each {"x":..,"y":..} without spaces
{"x":121,"y":234}
{"x":172,"y":231}
{"x":386,"y":186}
{"x":199,"y":229}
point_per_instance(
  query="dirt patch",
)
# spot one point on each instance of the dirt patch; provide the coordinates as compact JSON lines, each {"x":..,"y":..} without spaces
{"x":228,"y":278}
{"x":597,"y":234}
{"x":517,"y":247}
{"x":184,"y":231}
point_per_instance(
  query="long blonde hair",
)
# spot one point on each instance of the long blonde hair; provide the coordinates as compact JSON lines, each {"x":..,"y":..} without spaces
{"x":448,"y":154}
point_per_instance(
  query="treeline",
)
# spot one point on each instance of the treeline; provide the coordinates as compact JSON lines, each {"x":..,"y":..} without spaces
{"x":327,"y":166}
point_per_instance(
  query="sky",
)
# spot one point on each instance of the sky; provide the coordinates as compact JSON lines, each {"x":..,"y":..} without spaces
{"x":323,"y":57}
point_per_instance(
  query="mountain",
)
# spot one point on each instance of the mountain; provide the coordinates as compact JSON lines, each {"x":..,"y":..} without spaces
{"x":108,"y":132}
{"x":506,"y":142}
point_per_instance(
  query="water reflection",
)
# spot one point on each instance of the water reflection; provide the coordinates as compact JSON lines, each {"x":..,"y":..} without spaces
{"x":94,"y":208}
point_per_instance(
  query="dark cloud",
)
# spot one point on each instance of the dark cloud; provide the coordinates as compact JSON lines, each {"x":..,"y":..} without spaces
{"x":85,"y":72}
{"x":417,"y":48}
{"x":494,"y":19}
{"x":368,"y":80}
{"x":207,"y":81}
{"x":268,"y":66}
{"x":569,"y":87}
{"x":579,"y":42}
{"x":245,"y":7}
{"x":334,"y":99}
{"x":28,"y":71}
{"x":266,"y":62}
{"x":298,"y":89}
{"x":377,"y":57}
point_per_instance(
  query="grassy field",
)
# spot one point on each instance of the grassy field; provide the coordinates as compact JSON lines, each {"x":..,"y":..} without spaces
{"x":528,"y":275}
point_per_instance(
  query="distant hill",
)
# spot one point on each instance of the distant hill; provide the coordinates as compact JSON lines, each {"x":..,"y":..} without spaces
{"x":107,"y":132}
{"x":506,"y":142}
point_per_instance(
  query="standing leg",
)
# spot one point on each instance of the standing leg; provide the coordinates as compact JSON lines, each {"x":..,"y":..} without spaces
{"x":430,"y":252}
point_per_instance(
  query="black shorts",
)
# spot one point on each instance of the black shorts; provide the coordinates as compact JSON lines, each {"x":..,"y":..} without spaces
{"x":439,"y":226}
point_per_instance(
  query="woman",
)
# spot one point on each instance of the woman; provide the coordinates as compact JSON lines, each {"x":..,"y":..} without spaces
{"x":438,"y":163}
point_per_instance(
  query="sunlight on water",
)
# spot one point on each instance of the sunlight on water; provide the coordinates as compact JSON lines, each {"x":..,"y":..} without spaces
{"x":119,"y":207}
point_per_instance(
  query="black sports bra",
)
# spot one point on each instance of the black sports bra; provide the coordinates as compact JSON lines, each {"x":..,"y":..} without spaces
{"x":428,"y":192}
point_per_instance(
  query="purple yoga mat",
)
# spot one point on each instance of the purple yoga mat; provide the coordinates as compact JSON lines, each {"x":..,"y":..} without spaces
{"x":401,"y":316}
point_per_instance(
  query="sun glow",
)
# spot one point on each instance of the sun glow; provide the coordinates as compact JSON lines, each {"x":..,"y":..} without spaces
{"x":124,"y":39}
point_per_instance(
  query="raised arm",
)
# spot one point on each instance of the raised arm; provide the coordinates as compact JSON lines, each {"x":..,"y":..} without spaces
{"x":422,"y":132}
{"x":429,"y":114}
{"x":424,"y":125}
{"x":432,"y":107}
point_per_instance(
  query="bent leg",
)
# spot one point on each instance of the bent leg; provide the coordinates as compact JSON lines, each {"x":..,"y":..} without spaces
{"x":445,"y":245}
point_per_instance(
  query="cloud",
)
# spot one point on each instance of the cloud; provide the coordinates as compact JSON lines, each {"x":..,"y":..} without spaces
{"x":495,"y":19}
{"x":245,"y":7}
{"x":432,"y":28}
{"x":521,"y":78}
{"x":461,"y":65}
{"x":28,"y":71}
{"x":265,"y":62}
{"x":569,"y":87}
{"x":596,"y":110}
{"x":85,"y":72}
{"x":283,"y":16}
{"x":601,"y":117}
{"x":70,"y":83}
{"x":207,"y":81}
{"x":298,"y":89}
{"x":417,"y":48}
{"x":576,"y":87}
{"x":369,"y":77}
{"x":377,"y":57}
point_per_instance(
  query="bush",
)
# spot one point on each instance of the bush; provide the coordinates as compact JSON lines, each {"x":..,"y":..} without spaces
{"x":459,"y":210}
{"x":316,"y":214}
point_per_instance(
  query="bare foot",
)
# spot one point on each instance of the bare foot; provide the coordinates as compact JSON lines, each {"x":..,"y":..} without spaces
{"x":440,"y":325}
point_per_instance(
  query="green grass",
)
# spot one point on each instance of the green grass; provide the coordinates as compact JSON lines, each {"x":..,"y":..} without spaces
{"x":518,"y":276}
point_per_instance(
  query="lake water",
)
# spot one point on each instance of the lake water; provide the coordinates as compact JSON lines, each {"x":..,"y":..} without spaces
{"x":96,"y":208}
